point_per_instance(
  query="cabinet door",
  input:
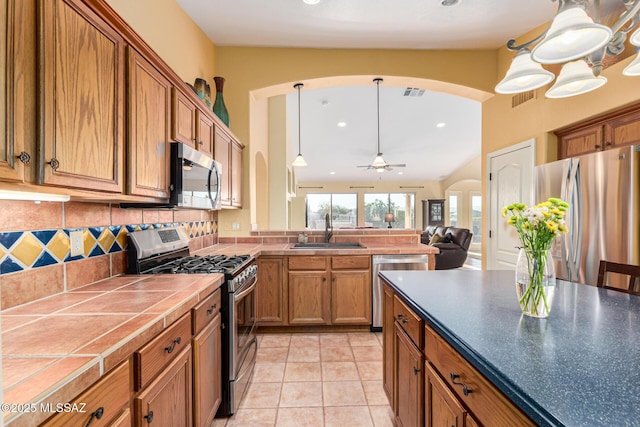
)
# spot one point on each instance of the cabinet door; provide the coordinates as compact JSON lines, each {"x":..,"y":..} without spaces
{"x":270,"y":292}
{"x":207,"y":370}
{"x":587,"y":140}
{"x":388,"y":341}
{"x":623,"y":130}
{"x":409,"y":382}
{"x":81,"y":82}
{"x":149,"y":113}
{"x":236,"y":175}
{"x":222,"y":153}
{"x":351,"y":297}
{"x":441,"y":407}
{"x":204,"y":132}
{"x":309,"y":298}
{"x":12,"y":83}
{"x":124,"y":420}
{"x":167,"y":399}
{"x":183,"y":119}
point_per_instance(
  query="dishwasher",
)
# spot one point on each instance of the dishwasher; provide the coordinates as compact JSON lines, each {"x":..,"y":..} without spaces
{"x":390,"y":262}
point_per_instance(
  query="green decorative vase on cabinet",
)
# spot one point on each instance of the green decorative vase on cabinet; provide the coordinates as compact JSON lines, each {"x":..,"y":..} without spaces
{"x":219,"y":108}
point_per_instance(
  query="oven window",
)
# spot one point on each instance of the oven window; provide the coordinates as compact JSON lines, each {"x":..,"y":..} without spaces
{"x":245,"y":319}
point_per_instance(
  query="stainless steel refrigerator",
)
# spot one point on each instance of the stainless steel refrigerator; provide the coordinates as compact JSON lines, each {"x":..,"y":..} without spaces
{"x":602,"y":190}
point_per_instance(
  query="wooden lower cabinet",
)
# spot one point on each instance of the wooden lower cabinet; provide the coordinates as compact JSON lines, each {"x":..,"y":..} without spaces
{"x":351,"y":297}
{"x":441,"y":407}
{"x":167,"y":400}
{"x":207,"y":370}
{"x":388,"y":341}
{"x":309,"y":298}
{"x":409,"y":383}
{"x":124,"y":420}
{"x":271,"y":295}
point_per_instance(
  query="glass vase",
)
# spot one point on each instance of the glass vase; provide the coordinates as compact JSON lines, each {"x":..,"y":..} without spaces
{"x":535,"y":282}
{"x":219,"y":108}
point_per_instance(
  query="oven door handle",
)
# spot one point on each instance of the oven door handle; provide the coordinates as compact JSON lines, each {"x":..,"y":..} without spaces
{"x":246,"y":289}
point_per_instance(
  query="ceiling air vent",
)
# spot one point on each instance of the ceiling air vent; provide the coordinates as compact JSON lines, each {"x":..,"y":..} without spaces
{"x":413,"y":91}
{"x":521,"y":98}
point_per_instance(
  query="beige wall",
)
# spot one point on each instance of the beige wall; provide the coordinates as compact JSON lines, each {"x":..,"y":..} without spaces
{"x":172,"y":35}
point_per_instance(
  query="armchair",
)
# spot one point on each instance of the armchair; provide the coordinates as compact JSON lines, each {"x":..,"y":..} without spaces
{"x":453,"y":243}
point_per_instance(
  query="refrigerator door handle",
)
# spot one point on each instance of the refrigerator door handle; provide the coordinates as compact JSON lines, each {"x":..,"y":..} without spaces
{"x":575,"y":223}
{"x":565,"y":241}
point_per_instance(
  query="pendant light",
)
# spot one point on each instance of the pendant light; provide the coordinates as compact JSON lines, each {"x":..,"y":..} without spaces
{"x":524,"y":74}
{"x":299,"y":161}
{"x":378,"y":163}
{"x":575,"y":78}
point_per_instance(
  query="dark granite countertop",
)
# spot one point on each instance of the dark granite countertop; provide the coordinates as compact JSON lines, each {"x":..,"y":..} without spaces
{"x":578,"y":367}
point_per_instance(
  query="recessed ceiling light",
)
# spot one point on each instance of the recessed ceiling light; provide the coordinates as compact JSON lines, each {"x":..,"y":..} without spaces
{"x":332,"y":173}
{"x":400,"y":173}
{"x":311,"y":1}
{"x":441,"y":125}
{"x":342,"y":124}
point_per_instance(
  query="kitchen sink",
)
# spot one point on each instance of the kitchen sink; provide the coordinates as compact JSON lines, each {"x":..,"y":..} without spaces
{"x":328,"y":246}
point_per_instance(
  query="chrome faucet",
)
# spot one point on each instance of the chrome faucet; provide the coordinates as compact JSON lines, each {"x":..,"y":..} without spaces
{"x":328,"y":228}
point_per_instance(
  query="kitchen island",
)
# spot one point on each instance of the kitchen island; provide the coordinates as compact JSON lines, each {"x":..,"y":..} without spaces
{"x":578,"y":367}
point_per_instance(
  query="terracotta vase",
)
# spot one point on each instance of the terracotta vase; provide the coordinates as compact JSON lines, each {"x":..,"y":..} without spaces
{"x":219,"y":108}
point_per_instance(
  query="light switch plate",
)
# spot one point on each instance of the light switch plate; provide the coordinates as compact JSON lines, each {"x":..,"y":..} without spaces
{"x":77,"y":244}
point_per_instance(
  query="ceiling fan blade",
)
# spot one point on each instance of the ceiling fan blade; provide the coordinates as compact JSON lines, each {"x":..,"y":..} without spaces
{"x":365,"y":166}
{"x":399,"y":165}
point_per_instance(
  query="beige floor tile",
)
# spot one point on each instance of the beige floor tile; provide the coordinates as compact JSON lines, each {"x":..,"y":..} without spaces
{"x":343,"y":393}
{"x":367,"y":354}
{"x":303,"y":394}
{"x":304,"y":354}
{"x":334,"y":340}
{"x":300,"y":417}
{"x":261,"y":395}
{"x":339,"y":371}
{"x":382,"y":416}
{"x":268,"y":372}
{"x":363,"y":339}
{"x":370,"y":370}
{"x":305,"y":340}
{"x":336,"y":354}
{"x":302,"y":371}
{"x":375,"y":392}
{"x":272,"y":355}
{"x":253,"y":417}
{"x":275,"y":340}
{"x":219,"y":422}
{"x":342,"y":416}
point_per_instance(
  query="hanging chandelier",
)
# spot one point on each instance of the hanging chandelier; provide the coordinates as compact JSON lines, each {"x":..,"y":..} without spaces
{"x":575,"y":39}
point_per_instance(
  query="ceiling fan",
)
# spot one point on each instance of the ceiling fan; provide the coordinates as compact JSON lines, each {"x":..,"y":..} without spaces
{"x":379,"y":165}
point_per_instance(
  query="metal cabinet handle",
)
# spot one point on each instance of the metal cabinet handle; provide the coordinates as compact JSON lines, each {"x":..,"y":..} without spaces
{"x":402,"y":318}
{"x":55,"y":164}
{"x":213,"y":307}
{"x":597,"y":146}
{"x":24,"y":157}
{"x":149,"y":417}
{"x":608,"y":144}
{"x":97,"y":414}
{"x":465,"y":389}
{"x":415,"y":370}
{"x":172,"y":346}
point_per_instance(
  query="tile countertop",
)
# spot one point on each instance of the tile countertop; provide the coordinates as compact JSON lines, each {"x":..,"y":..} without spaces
{"x":55,"y":347}
{"x":578,"y":367}
{"x":257,"y":249}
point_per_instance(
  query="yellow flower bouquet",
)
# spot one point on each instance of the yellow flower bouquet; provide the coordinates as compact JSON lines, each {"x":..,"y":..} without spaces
{"x":537,"y":226}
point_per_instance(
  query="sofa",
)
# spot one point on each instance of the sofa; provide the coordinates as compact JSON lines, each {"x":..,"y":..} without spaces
{"x":453,"y":243}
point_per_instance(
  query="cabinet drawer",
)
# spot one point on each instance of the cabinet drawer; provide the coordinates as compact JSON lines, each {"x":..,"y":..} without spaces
{"x":151,"y":358}
{"x":485,"y":401}
{"x":204,"y":312}
{"x":409,"y":321}
{"x":307,"y":263}
{"x":359,"y":262}
{"x":111,"y":393}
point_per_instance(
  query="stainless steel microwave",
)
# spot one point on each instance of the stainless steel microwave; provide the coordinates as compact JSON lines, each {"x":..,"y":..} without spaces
{"x":195,"y":181}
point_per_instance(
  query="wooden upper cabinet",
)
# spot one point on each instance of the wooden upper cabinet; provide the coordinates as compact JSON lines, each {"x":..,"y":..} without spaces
{"x":183,"y":119}
{"x":623,"y":130}
{"x":149,"y":114}
{"x":81,"y":98}
{"x":613,"y":130}
{"x":222,"y":153}
{"x":583,"y":141}
{"x":236,"y":175}
{"x":205,"y":133}
{"x":13,"y":156}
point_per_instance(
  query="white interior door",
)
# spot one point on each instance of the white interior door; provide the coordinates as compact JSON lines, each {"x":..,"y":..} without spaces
{"x":510,"y":180}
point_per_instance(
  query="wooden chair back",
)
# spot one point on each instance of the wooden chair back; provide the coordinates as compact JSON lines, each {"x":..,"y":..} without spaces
{"x":633,"y":271}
